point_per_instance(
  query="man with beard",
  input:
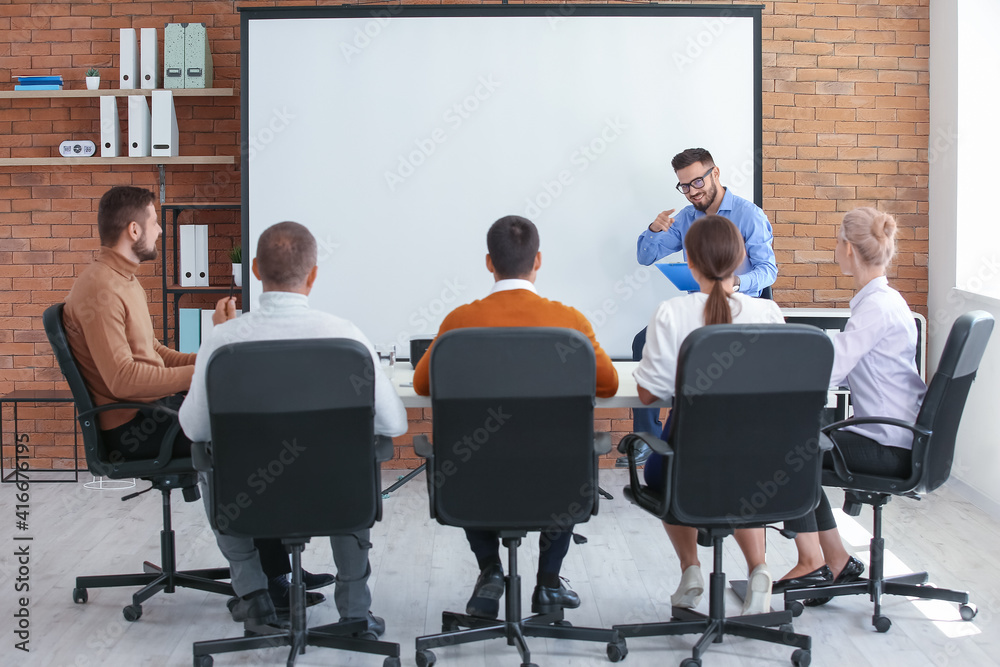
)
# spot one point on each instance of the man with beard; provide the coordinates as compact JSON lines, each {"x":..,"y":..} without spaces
{"x":698,"y":181}
{"x":111,"y":334}
{"x":111,"y":337}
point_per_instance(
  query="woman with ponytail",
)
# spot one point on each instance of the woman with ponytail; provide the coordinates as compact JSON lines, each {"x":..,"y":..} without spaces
{"x":715,"y":249}
{"x":875,"y":356}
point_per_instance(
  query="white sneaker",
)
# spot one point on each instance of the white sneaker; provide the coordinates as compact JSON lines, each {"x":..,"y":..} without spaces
{"x":689,"y":591}
{"x":758,"y":599}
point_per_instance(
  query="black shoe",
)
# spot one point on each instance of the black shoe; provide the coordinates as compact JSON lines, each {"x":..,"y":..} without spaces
{"x":314,"y":581}
{"x":485,"y":600}
{"x":255,"y":608}
{"x":818,"y":577}
{"x":280,"y":591}
{"x":642,"y":453}
{"x":852,"y":572}
{"x":548,"y":600}
{"x":375,"y":629}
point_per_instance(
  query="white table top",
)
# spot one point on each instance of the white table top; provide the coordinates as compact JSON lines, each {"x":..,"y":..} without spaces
{"x":626,"y":397}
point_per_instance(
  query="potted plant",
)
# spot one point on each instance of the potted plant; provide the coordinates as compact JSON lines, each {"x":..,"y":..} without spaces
{"x":236,"y":257}
{"x":93,"y":79}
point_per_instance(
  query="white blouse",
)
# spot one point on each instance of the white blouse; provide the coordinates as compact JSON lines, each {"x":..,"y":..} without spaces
{"x":678,"y":317}
{"x":875,"y":355}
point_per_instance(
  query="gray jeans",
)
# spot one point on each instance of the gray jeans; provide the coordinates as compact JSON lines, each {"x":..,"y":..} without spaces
{"x":350,"y":555}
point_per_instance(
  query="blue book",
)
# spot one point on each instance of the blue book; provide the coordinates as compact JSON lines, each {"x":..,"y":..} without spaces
{"x":41,"y":87}
{"x":40,"y":80}
{"x":189,"y":334}
{"x":680,"y":275}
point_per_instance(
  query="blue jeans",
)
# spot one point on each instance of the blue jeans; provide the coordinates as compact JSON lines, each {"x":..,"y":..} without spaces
{"x":644,"y":420}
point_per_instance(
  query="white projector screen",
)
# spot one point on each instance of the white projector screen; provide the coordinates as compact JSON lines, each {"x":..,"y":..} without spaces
{"x":397,"y":135}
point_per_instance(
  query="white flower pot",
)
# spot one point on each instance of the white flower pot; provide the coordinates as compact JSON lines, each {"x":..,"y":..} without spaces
{"x":238,"y":275}
{"x":93,"y":82}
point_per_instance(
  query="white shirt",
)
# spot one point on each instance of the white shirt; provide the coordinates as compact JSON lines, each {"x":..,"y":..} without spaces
{"x":875,"y":355}
{"x":284,"y":316}
{"x":513,"y":283}
{"x":678,"y":317}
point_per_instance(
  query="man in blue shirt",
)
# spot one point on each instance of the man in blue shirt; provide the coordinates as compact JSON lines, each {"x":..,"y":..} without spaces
{"x":698,"y":181}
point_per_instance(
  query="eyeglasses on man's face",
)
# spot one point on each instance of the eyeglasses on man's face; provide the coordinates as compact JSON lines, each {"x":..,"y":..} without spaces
{"x":699,"y":183}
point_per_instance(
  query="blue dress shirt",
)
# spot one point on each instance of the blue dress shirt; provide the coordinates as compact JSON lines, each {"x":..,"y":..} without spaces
{"x":758,"y":269}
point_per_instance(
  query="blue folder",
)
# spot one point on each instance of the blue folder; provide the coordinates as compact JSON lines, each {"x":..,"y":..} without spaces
{"x":680,"y":275}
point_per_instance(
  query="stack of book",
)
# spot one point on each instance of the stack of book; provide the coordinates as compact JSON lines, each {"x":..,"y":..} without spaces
{"x":39,"y":83}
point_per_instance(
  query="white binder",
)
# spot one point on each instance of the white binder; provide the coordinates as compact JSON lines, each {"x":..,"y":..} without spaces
{"x":111,"y":131}
{"x":163,"y":133}
{"x":186,"y":256}
{"x":201,"y":255}
{"x":128,"y":62}
{"x":206,"y":323}
{"x":149,"y":65}
{"x":138,"y":126}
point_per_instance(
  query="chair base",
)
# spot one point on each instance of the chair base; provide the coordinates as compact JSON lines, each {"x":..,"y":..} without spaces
{"x":909,"y":585}
{"x":553,"y":626}
{"x":714,"y":626}
{"x":334,"y":635}
{"x":877,"y":585}
{"x":155,"y":578}
{"x":298,"y":635}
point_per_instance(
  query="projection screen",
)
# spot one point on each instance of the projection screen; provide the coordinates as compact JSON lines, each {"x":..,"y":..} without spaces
{"x":397,"y":135}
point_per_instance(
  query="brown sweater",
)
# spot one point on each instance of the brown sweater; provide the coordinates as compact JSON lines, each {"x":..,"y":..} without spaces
{"x":111,"y":336}
{"x":520,"y":308}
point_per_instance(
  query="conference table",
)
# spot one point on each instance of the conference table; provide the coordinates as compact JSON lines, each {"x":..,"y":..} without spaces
{"x":627,"y":395}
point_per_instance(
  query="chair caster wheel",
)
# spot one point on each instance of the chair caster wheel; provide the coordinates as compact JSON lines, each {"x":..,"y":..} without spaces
{"x":691,"y":662}
{"x":231,"y":603}
{"x":203,"y":661}
{"x":795,"y":607}
{"x":968,"y":610}
{"x":426,"y":658}
{"x":391,"y":662}
{"x":132,"y":613}
{"x":881,"y":623}
{"x":80,"y":597}
{"x":617,"y":652}
{"x":385,"y":496}
{"x":801,"y":657}
{"x":786,"y":627}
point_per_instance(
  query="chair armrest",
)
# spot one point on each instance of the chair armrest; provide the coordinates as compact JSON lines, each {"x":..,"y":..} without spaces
{"x":888,"y":421}
{"x":422,"y":446}
{"x":165,"y":453}
{"x":384,"y":449}
{"x":638,"y":493}
{"x":602,"y":443}
{"x":201,"y":456}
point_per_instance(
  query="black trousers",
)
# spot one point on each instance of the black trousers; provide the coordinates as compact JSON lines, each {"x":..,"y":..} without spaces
{"x":861,"y":454}
{"x":552,"y":548}
{"x":141,"y":436}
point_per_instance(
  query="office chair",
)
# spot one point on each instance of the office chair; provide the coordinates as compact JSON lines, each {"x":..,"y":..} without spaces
{"x":743,"y":451}
{"x":514,"y":452}
{"x":934,"y":435}
{"x":303,"y":411}
{"x":164,"y":472}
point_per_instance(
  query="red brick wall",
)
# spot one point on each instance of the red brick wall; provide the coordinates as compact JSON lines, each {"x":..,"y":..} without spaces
{"x":845,"y":110}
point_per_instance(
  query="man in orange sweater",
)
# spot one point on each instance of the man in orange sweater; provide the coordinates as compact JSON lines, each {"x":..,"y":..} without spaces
{"x":514,"y":261}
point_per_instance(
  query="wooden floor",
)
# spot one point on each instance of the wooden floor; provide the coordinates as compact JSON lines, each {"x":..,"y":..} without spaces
{"x":624,"y":574}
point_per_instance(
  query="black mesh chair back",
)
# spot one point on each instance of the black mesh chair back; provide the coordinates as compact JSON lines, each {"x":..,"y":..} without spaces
{"x":745,"y":423}
{"x":293,"y":456}
{"x":100,"y":461}
{"x":513,"y":428}
{"x":292,"y":427}
{"x":163,"y":471}
{"x":934,"y":435}
{"x":941,"y":410}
